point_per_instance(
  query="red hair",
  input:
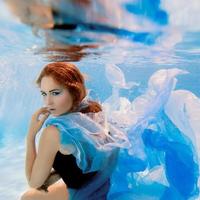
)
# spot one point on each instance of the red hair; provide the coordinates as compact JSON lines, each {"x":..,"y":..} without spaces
{"x":69,"y":76}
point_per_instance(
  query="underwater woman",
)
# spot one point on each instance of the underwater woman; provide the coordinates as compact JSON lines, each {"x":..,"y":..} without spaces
{"x":76,"y":143}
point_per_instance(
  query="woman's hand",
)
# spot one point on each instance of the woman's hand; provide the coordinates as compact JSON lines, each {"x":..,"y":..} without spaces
{"x":37,"y":120}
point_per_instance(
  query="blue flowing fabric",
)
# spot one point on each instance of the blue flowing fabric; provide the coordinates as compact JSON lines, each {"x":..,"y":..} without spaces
{"x":93,"y":148}
{"x":145,"y":149}
{"x":163,"y":160}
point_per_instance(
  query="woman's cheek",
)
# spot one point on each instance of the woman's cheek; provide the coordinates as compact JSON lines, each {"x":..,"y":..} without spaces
{"x":64,"y":101}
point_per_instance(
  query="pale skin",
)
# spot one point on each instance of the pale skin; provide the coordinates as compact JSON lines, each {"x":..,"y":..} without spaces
{"x":39,"y":162}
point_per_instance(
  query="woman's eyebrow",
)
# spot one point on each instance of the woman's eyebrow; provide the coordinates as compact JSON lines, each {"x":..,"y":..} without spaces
{"x":50,"y":90}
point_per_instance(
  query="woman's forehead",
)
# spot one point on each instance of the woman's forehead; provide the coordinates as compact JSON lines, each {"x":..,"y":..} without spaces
{"x":49,"y":83}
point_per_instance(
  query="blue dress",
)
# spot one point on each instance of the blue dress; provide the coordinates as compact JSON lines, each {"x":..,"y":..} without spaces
{"x":147,"y":148}
{"x":93,"y":149}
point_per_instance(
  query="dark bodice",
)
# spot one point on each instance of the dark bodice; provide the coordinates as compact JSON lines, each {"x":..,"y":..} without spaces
{"x":72,"y":175}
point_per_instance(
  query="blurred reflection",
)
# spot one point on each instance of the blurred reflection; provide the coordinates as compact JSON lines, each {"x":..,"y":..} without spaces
{"x":119,"y":14}
{"x":32,"y":12}
{"x":140,"y":15}
{"x":75,"y":22}
{"x":70,"y":53}
{"x":40,"y":14}
{"x":45,"y":14}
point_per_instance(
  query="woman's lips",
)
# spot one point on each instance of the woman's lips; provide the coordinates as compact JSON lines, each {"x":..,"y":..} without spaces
{"x":51,"y":109}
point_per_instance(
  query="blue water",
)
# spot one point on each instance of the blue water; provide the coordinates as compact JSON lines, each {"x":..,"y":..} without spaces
{"x":138,"y":53}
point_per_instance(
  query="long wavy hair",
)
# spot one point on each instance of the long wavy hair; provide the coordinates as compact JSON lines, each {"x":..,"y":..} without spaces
{"x":69,"y":76}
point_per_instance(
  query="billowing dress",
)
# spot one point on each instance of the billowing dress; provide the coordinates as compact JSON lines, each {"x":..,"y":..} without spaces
{"x":96,"y":150}
{"x":148,"y":148}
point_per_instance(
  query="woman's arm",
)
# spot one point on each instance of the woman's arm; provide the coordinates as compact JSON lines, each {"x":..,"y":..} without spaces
{"x":30,"y":154}
{"x":39,"y":165}
{"x":52,"y":178}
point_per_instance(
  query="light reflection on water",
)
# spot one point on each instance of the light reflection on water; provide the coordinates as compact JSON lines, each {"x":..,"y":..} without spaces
{"x":23,"y":55}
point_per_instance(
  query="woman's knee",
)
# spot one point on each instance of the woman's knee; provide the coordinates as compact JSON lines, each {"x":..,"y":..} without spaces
{"x":28,"y":195}
{"x":57,"y":191}
{"x":25,"y":196}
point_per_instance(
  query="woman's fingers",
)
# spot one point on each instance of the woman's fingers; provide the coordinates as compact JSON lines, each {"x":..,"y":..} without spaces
{"x":38,"y":119}
{"x":44,"y":117}
{"x":42,"y":110}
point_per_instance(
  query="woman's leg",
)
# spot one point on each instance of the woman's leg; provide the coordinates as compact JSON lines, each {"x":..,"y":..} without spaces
{"x":57,"y":191}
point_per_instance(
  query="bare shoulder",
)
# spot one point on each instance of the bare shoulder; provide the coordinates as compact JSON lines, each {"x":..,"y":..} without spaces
{"x":50,"y":137}
{"x":51,"y":131}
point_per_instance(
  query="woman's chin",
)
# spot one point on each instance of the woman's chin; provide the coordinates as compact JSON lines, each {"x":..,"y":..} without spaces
{"x":54,"y":114}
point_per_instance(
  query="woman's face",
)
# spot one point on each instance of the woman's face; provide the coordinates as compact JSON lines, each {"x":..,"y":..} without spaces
{"x":56,"y":97}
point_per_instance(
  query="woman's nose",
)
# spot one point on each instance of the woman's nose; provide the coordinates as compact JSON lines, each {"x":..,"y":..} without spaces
{"x":48,"y":100}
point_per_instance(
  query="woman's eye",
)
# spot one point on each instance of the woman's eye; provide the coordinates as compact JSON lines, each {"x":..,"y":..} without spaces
{"x":55,"y":93}
{"x":43,"y":94}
